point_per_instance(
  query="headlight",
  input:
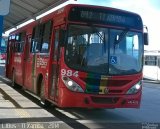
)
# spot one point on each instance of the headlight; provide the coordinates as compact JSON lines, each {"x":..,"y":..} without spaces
{"x":134,"y":89}
{"x":71,"y":85}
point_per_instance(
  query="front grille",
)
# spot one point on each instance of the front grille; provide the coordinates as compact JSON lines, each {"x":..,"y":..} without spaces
{"x":115,"y":91}
{"x":118,"y":83}
{"x":105,"y":82}
{"x":96,"y":84}
{"x":97,"y":91}
{"x":104,"y":100}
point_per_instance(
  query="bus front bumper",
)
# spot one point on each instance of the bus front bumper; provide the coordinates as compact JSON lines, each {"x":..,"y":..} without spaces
{"x":83,"y":100}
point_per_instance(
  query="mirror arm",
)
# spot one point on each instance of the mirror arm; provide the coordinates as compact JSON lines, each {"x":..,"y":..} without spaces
{"x":145,"y":36}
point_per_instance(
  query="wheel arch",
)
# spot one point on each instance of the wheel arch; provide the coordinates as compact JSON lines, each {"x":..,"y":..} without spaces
{"x":38,"y":84}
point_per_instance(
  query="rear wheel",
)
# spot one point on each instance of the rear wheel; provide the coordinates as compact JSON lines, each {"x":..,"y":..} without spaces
{"x":43,"y":101}
{"x":13,"y":84}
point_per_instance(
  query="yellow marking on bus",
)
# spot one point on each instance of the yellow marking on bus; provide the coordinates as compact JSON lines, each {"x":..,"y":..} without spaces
{"x":103,"y":84}
{"x":102,"y":90}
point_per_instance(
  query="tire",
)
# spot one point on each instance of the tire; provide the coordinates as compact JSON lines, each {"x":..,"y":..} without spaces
{"x":43,"y":101}
{"x":13,"y":84}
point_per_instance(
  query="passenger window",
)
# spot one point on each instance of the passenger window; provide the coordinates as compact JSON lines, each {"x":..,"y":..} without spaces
{"x":35,"y":38}
{"x":46,"y":37}
{"x":41,"y":37}
{"x":20,"y":41}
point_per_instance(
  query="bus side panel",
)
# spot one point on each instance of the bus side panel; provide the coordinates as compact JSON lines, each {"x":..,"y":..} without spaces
{"x":28,"y":65}
{"x":35,"y":66}
{"x":18,"y":67}
{"x":41,"y":73}
{"x":29,"y":72}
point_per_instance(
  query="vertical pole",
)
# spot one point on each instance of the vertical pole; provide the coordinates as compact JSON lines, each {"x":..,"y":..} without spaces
{"x":1,"y":26}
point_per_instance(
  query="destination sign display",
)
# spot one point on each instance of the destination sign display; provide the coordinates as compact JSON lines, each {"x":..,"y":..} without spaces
{"x":104,"y":16}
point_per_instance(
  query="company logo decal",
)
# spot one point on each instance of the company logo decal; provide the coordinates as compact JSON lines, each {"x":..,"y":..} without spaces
{"x":42,"y":63}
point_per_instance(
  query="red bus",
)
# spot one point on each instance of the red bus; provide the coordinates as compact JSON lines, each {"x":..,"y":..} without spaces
{"x":80,"y":56}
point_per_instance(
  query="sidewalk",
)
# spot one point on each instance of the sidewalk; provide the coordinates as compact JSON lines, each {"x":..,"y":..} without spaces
{"x":19,"y":112}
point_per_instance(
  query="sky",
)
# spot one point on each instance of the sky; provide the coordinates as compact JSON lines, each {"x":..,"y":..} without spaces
{"x":149,"y":10}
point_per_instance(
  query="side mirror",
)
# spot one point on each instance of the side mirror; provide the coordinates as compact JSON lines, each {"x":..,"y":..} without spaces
{"x":62,"y":37}
{"x":146,"y":38}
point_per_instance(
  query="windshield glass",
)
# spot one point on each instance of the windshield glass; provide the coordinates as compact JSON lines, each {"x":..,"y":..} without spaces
{"x":104,"y":50}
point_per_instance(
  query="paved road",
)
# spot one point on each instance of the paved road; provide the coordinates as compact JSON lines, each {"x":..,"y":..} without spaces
{"x":18,"y":107}
{"x":149,"y":111}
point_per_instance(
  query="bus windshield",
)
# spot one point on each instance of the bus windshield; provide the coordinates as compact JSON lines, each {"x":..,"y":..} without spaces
{"x":104,"y":50}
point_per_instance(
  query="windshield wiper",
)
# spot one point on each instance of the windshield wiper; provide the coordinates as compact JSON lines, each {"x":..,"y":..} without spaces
{"x":120,"y":37}
{"x":102,"y":38}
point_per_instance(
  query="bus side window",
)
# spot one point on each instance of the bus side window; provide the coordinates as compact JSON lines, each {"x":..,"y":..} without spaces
{"x":22,"y":41}
{"x":56,"y":45}
{"x":46,"y":36}
{"x":11,"y":42}
{"x":19,"y":43}
{"x":41,"y":38}
{"x":35,"y":38}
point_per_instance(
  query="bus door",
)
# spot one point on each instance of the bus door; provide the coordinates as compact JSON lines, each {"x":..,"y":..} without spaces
{"x":10,"y":50}
{"x":28,"y":64}
{"x":19,"y":57}
{"x":55,"y":67}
